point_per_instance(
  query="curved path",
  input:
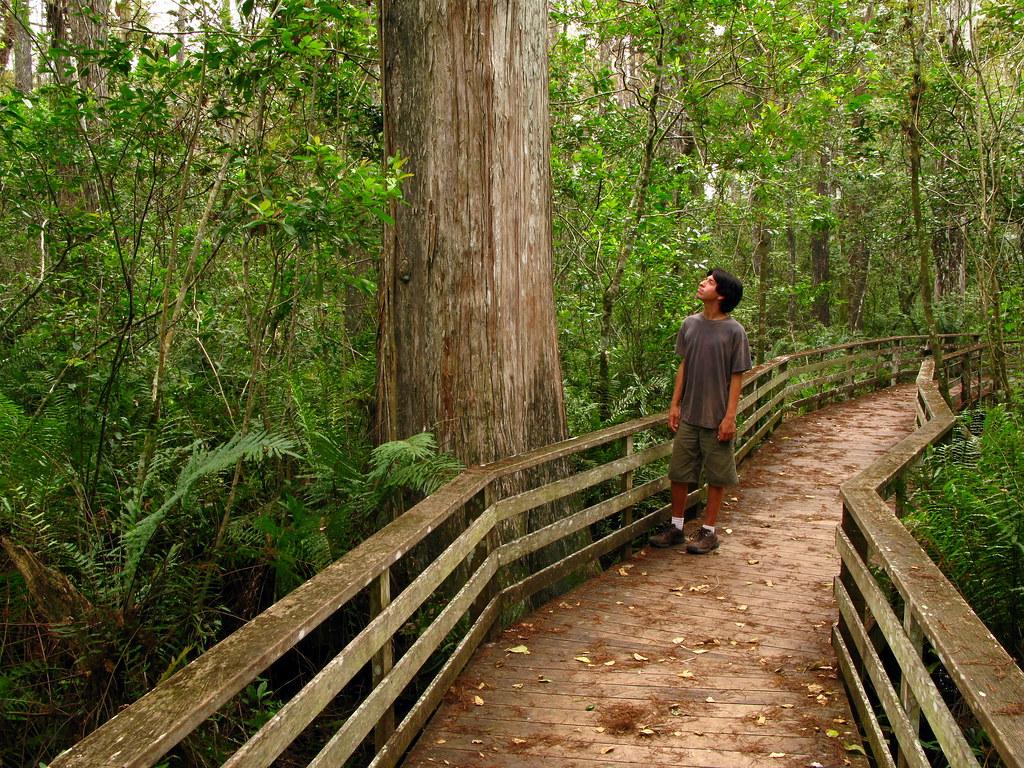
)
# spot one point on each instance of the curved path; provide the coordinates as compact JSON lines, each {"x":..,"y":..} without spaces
{"x":671,"y":659}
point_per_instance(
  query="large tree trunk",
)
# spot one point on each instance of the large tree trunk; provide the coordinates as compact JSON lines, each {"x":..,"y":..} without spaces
{"x":467,"y":343}
{"x":89,"y":27}
{"x":762,"y":267}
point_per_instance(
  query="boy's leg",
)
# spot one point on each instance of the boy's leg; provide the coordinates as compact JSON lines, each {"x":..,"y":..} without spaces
{"x":715,"y":494}
{"x":683,"y":472}
{"x":720,"y":466}
{"x":674,"y":533}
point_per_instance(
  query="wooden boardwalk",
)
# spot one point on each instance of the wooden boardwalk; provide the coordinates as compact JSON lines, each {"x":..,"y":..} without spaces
{"x":672,"y":659}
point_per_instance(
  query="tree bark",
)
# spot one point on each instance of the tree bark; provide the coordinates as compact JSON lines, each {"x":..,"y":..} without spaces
{"x":762,"y":267}
{"x":89,"y":26}
{"x":22,"y":49}
{"x":821,"y":232}
{"x":467,"y":341}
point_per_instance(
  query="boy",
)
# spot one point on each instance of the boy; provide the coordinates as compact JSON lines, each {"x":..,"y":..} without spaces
{"x":715,"y":354}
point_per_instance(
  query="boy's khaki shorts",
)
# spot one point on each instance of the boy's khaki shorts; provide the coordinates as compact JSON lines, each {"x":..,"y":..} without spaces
{"x":697,"y":447}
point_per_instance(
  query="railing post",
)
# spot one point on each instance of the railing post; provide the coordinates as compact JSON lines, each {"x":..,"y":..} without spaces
{"x":907,"y":699}
{"x":384,"y":659}
{"x":627,"y":513}
{"x":894,"y":364}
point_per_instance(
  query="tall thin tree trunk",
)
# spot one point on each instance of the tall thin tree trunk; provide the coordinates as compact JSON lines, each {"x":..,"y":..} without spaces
{"x":22,"y":48}
{"x":821,"y":233}
{"x":921,"y":239}
{"x":89,"y":25}
{"x":762,"y":266}
{"x":791,"y":248}
{"x":637,"y":208}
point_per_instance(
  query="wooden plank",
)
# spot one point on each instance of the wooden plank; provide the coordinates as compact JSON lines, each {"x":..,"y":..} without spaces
{"x":954,"y":746}
{"x":289,"y":721}
{"x":906,"y":733}
{"x":558,"y":571}
{"x":348,"y":738}
{"x":559,"y":489}
{"x":412,"y":724}
{"x":559,"y":529}
{"x":865,"y":713}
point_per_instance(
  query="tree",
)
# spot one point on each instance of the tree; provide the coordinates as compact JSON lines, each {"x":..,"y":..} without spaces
{"x":467,"y":340}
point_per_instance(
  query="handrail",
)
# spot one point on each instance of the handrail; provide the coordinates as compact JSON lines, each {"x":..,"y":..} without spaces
{"x":893,"y":600}
{"x":146,"y":730}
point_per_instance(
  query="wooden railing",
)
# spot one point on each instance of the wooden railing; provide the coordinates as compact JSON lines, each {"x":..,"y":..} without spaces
{"x":898,"y":613}
{"x":620,"y":505}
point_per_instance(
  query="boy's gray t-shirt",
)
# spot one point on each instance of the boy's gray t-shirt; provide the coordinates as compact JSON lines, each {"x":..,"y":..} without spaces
{"x":713,"y":350}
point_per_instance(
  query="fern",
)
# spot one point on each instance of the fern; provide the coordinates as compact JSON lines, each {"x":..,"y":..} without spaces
{"x":413,"y":463}
{"x":250,"y":447}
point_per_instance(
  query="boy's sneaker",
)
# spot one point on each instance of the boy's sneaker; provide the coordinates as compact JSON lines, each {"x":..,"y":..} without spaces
{"x":703,"y":542}
{"x":668,"y":538}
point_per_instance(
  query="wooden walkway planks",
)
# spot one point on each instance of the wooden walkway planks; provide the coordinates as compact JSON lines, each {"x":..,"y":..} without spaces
{"x":719,"y":661}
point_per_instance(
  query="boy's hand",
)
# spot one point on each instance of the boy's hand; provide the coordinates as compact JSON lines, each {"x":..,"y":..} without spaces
{"x":673,"y":418}
{"x":727,"y":429}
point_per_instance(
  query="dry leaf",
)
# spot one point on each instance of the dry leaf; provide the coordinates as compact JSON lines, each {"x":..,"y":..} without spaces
{"x":518,"y":649}
{"x":678,"y":640}
{"x":583,"y":659}
{"x":814,"y":688}
{"x":786,"y":706}
{"x":728,"y":530}
{"x":623,"y":572}
{"x":609,"y":663}
{"x":710,"y":699}
{"x":761,"y":720}
{"x":700,"y":650}
{"x":769,"y":583}
{"x":646,"y":731}
{"x":606,"y":750}
{"x":478,"y":701}
{"x":701,"y":588}
{"x":441,"y":741}
{"x":753,"y":562}
{"x":600,"y":729}
{"x":517,"y":685}
{"x":777,"y":754}
{"x":477,"y":741}
{"x":685,"y":673}
{"x":741,"y":607}
{"x":481,"y":686}
{"x":638,"y":657}
{"x":518,"y":741}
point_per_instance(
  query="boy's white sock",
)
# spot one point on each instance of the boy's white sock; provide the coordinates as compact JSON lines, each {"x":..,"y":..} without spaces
{"x":677,"y":522}
{"x":709,"y":528}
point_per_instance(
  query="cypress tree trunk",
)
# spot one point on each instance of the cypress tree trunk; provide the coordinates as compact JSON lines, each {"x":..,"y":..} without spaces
{"x":22,"y":49}
{"x":467,"y":346}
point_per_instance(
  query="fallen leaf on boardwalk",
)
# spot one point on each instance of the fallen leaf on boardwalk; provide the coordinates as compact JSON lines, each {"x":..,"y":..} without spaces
{"x":542,"y":679}
{"x":610,"y":663}
{"x":777,"y":754}
{"x":591,"y":707}
{"x":701,"y":588}
{"x":481,"y":686}
{"x":728,"y":530}
{"x":786,"y":706}
{"x":685,"y":673}
{"x":623,"y":572}
{"x":584,"y":659}
{"x":832,"y":733}
{"x":855,"y":748}
{"x":753,"y":562}
{"x":700,"y":650}
{"x":518,"y":741}
{"x":441,"y":741}
{"x":761,"y":720}
{"x":477,"y":741}
{"x":600,"y":729}
{"x":678,"y":640}
{"x":638,"y":657}
{"x":606,"y":750}
{"x":517,"y":685}
{"x":814,"y":688}
{"x":478,"y":701}
{"x":518,"y":649}
{"x":740,"y":623}
{"x":741,"y":607}
{"x":675,"y":710}
{"x":710,"y":699}
{"x":769,"y":583}
{"x":646,"y":731}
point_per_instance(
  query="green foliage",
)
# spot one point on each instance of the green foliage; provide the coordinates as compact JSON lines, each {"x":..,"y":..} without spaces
{"x":968,"y":512}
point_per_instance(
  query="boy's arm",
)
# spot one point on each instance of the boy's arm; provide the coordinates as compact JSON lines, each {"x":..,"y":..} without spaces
{"x":727,"y":429}
{"x":677,"y":396}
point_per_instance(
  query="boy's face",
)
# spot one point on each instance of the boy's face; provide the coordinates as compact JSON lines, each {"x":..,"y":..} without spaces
{"x":708,"y":290}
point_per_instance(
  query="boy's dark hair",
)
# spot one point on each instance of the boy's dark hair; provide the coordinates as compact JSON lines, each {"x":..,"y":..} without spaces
{"x":729,"y":288}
